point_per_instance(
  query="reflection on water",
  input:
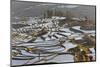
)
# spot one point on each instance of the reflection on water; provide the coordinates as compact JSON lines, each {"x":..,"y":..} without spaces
{"x":58,"y":58}
{"x":54,"y":36}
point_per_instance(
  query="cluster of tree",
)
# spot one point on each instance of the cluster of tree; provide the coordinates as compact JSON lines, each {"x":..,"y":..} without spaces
{"x":80,"y":53}
{"x":50,"y":13}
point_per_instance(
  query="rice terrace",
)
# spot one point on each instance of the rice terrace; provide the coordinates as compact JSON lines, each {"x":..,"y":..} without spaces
{"x":52,"y":33}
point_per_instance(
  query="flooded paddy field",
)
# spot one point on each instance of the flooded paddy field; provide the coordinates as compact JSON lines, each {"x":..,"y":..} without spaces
{"x":51,"y":36}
